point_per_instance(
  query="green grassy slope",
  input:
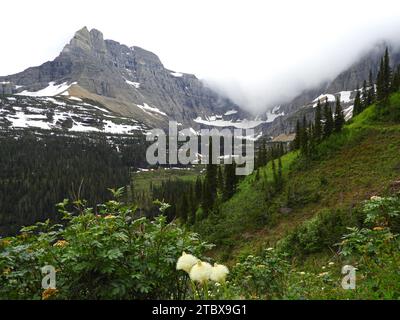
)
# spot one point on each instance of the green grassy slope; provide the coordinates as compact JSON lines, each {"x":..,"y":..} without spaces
{"x":350,"y":167}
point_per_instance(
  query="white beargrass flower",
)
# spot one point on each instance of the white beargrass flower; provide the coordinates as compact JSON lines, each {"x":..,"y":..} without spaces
{"x":219,"y":273}
{"x":201,"y":272}
{"x":186,"y":262}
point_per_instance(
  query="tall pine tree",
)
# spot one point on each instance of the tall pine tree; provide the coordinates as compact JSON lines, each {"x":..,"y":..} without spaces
{"x":380,"y":83}
{"x":230,"y":181}
{"x":328,"y":126}
{"x":384,"y":79}
{"x":210,"y":182}
{"x":339,"y":116}
{"x":357,"y":104}
{"x":396,"y":80}
{"x":297,"y":139}
{"x":304,"y":137}
{"x":387,"y":73}
{"x":365,"y":98}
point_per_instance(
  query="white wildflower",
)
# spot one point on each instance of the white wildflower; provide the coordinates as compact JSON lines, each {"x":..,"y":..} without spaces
{"x":186,"y":262}
{"x":219,"y":273}
{"x":331,"y":263}
{"x":376,"y":198}
{"x":201,"y":272}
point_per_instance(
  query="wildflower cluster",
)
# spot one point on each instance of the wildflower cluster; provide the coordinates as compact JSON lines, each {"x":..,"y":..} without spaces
{"x":261,"y":276}
{"x":200,"y":271}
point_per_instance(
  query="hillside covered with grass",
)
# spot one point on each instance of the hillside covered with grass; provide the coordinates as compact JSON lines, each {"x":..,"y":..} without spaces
{"x":348,"y":168}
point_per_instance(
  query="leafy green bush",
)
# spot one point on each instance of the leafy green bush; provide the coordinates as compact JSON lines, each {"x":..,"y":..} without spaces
{"x":372,"y":249}
{"x":384,"y":212}
{"x":262,"y":276}
{"x":375,"y":250}
{"x":111,"y":255}
{"x":319,"y":233}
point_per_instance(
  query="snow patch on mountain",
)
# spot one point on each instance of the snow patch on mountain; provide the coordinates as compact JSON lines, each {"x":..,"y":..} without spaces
{"x":177,"y":74}
{"x":111,"y":127}
{"x":54,"y":101}
{"x":80,"y":127}
{"x":75,"y":99}
{"x":21,"y":120}
{"x":345,"y":96}
{"x":271,"y":115}
{"x":322,"y":98}
{"x":50,"y":91}
{"x":133,"y":84}
{"x":230,"y":112}
{"x":243,"y":124}
{"x":146,"y":108}
{"x":96,"y":107}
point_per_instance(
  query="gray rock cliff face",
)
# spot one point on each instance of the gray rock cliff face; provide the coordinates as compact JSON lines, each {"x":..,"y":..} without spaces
{"x":128,"y":80}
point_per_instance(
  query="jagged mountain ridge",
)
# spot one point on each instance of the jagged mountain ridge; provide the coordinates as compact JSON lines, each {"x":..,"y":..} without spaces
{"x":132,"y":82}
{"x":129,"y":81}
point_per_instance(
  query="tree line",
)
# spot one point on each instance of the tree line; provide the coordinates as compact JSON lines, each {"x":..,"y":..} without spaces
{"x":378,"y":91}
{"x":309,"y":134}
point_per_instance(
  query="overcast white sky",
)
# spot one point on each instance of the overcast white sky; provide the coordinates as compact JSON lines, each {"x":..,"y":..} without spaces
{"x":257,"y":52}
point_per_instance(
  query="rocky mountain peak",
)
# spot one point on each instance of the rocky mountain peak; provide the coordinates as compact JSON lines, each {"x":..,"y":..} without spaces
{"x":87,"y":41}
{"x":128,"y":81}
